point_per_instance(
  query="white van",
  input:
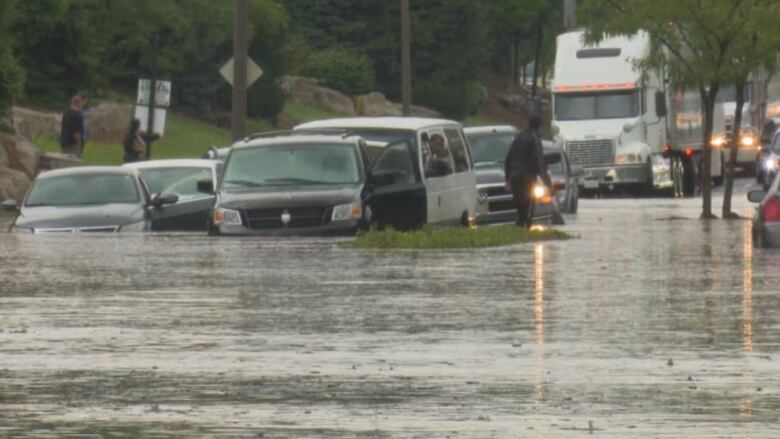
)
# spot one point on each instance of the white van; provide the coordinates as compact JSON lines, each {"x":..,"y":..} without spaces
{"x":428,"y":157}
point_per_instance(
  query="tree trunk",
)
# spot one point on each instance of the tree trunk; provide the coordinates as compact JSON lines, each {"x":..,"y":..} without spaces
{"x":537,"y":53}
{"x":708,"y":99}
{"x":515,"y":61}
{"x":736,"y":136}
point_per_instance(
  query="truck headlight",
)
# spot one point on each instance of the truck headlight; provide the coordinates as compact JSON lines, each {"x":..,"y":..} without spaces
{"x":627,"y":159}
{"x":348,"y":211}
{"x":747,"y":140}
{"x":719,"y":141}
{"x":227,"y":217}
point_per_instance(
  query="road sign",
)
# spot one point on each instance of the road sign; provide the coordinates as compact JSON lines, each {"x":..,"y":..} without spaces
{"x":142,"y":114}
{"x":253,"y":72}
{"x":162,"y":97}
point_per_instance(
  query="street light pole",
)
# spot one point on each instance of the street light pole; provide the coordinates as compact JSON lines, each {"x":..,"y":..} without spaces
{"x":406,"y":58}
{"x":240,"y":50}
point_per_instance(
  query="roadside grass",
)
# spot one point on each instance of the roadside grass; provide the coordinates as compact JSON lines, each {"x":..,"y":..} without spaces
{"x":185,"y":137}
{"x":452,"y":237}
{"x":302,"y":113}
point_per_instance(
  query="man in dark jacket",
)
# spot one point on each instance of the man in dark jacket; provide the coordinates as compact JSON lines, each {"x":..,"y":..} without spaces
{"x":523,"y":164}
{"x":72,"y":130}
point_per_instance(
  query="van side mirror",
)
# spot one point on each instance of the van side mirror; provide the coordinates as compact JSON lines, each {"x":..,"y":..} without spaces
{"x":161,"y":200}
{"x":206,"y":186}
{"x":10,"y":205}
{"x":756,"y":196}
{"x":660,"y":104}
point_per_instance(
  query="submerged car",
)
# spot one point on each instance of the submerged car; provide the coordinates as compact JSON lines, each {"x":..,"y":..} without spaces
{"x":91,"y":199}
{"x":180,"y":177}
{"x":436,"y":167}
{"x":302,"y":184}
{"x":766,"y":222}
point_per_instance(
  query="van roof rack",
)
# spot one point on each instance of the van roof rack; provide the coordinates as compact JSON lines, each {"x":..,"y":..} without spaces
{"x":344,"y":133}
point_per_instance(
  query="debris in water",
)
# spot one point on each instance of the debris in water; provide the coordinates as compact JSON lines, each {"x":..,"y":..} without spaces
{"x":590,"y":427}
{"x":670,"y":363}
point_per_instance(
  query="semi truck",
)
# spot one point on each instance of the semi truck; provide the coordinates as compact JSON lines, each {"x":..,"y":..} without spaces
{"x":628,"y":127}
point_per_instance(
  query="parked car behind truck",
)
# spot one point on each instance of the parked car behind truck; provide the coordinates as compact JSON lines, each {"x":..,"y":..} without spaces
{"x":624,"y":126}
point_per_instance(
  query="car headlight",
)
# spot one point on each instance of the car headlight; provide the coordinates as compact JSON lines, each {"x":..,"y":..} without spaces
{"x":541,"y":193}
{"x":748,"y":140}
{"x":227,"y":217}
{"x":348,"y":211}
{"x":771,"y":164}
{"x":138,"y":227}
{"x":718,"y":141}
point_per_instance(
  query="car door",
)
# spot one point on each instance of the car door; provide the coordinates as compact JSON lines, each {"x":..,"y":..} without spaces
{"x":462,"y":194}
{"x":437,"y":168}
{"x":192,"y":211}
{"x":394,"y":192}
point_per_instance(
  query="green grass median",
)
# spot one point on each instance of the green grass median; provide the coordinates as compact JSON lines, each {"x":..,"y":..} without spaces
{"x":451,"y":237}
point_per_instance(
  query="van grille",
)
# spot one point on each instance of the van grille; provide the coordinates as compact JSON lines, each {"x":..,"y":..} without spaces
{"x":591,"y":152}
{"x":299,"y":217}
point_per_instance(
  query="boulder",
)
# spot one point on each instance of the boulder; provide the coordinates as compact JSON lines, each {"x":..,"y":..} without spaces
{"x":4,"y":160}
{"x":21,"y":154}
{"x":300,"y":89}
{"x":30,"y":123}
{"x":308,"y":91}
{"x":376,"y":104}
{"x":13,"y":184}
{"x":56,"y":160}
{"x":107,"y":119}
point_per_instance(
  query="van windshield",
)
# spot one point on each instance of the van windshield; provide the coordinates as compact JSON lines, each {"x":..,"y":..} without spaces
{"x":292,"y":164}
{"x":84,"y":189}
{"x":490,"y":148}
{"x":588,"y":106}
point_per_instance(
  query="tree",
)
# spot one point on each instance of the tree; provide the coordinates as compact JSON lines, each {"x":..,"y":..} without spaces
{"x":695,"y":42}
{"x":755,"y":51}
{"x":11,"y":73}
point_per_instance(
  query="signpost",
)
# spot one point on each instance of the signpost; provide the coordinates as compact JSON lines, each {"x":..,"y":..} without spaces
{"x":162,"y":97}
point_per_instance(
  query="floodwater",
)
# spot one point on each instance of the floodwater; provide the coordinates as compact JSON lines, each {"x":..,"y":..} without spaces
{"x":651,"y":324}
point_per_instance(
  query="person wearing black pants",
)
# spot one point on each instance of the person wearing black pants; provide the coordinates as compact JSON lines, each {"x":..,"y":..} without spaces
{"x":523,"y":164}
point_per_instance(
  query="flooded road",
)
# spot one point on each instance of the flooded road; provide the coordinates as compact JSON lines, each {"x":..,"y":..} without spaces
{"x":651,"y":325}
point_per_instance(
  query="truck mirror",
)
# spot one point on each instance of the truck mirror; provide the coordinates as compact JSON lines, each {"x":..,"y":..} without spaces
{"x":660,"y":104}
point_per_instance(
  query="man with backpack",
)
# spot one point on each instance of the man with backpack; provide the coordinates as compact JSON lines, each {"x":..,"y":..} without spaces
{"x":523,"y":164}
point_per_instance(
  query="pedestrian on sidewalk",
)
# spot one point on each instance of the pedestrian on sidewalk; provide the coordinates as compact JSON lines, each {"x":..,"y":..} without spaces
{"x":523,"y":164}
{"x":72,"y":129}
{"x":134,"y":144}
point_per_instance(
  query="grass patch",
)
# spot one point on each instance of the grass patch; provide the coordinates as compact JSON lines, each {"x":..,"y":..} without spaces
{"x":451,"y":237}
{"x":302,"y":113}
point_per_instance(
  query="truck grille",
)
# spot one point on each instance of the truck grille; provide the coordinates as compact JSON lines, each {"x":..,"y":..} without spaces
{"x":591,"y":152}
{"x":299,"y":217}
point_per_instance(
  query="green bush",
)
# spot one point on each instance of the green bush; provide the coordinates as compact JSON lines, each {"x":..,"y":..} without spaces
{"x":342,"y":69}
{"x":454,"y":100}
{"x":265,"y":99}
{"x":11,"y":81}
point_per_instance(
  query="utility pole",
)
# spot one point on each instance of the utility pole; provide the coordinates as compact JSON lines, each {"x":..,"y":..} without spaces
{"x":239,"y":68}
{"x":406,"y":58}
{"x":150,"y":137}
{"x":569,"y":14}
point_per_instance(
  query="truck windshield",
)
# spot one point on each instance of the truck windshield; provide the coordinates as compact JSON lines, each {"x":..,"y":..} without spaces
{"x":588,"y":106}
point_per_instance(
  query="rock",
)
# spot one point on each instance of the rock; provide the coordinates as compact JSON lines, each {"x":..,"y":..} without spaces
{"x":30,"y":123}
{"x":55,"y":160}
{"x":107,"y":119}
{"x":376,"y":104}
{"x":299,"y":89}
{"x":334,"y":101}
{"x":21,"y":154}
{"x":4,"y":161}
{"x":13,"y":184}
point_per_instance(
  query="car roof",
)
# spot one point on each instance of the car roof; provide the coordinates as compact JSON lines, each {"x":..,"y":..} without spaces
{"x":295,"y":139}
{"x":392,"y":123}
{"x":85,"y":170}
{"x":173,"y":163}
{"x":491,"y":129}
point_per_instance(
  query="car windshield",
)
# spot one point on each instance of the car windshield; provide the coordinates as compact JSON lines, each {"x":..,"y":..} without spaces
{"x":587,"y":106}
{"x":776,"y":145}
{"x":490,"y":147}
{"x":292,"y":164}
{"x":176,"y":181}
{"x":84,"y":189}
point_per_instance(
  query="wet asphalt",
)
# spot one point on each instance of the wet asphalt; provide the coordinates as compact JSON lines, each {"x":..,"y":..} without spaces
{"x":651,"y":324}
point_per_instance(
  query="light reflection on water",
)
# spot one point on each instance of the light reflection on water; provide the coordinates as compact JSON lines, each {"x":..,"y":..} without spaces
{"x":539,"y":321}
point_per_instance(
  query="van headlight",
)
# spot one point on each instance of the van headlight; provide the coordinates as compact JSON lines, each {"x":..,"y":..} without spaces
{"x":348,"y":211}
{"x":227,"y":217}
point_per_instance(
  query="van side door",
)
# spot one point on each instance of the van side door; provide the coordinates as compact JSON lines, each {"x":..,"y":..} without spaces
{"x":437,"y":168}
{"x":462,"y":197}
{"x":394,"y":191}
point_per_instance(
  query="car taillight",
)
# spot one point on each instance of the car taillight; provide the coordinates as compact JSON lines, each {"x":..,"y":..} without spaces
{"x":772,"y":210}
{"x":559,"y":185}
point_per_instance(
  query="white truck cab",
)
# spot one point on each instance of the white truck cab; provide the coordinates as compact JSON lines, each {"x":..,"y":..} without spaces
{"x":625,"y":127}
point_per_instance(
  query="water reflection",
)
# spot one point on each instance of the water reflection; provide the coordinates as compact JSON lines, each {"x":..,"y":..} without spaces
{"x":539,"y":320}
{"x":747,"y":287}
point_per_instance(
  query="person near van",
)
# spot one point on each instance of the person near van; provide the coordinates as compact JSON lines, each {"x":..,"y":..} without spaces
{"x":72,"y":128}
{"x":437,"y":163}
{"x":134,"y":144}
{"x":523,"y":164}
